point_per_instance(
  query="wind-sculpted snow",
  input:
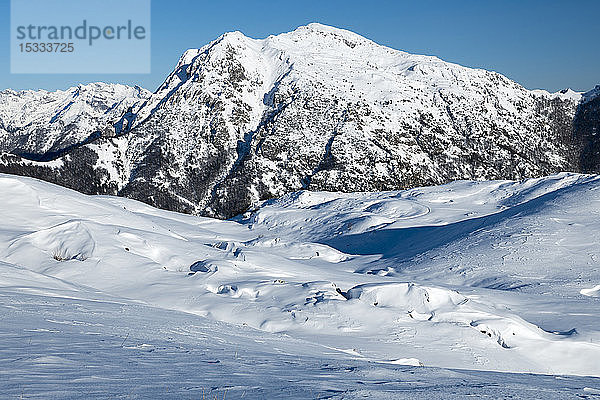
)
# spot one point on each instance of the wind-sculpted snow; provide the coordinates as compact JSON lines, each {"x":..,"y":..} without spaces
{"x":242,"y":120}
{"x":489,"y":276}
{"x":60,"y":341}
{"x":67,"y":241}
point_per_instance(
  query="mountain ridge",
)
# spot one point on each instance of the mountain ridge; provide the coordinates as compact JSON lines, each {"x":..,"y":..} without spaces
{"x":241,"y":120}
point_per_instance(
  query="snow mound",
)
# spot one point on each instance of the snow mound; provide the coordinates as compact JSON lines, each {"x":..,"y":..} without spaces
{"x":408,"y":297}
{"x":592,"y":292}
{"x":66,"y":241}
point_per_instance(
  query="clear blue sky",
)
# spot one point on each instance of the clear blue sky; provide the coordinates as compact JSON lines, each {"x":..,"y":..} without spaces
{"x":546,"y":44}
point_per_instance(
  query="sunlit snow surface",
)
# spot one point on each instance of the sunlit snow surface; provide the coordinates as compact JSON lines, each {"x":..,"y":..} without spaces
{"x":412,"y":294}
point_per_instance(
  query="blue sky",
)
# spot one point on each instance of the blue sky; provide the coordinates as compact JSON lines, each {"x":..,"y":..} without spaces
{"x":541,"y":44}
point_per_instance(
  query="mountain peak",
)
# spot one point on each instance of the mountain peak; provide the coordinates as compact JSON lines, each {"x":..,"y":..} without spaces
{"x":320,"y":34}
{"x":316,"y":27}
{"x":234,"y":37}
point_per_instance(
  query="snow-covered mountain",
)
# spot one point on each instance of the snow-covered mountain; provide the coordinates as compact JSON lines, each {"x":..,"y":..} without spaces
{"x":241,"y":120}
{"x":41,"y":123}
{"x":316,"y":290}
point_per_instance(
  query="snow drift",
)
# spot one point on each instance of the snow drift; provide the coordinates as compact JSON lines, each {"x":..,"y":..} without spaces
{"x":477,"y":275}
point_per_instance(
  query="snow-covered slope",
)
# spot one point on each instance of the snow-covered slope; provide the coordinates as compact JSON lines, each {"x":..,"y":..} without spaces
{"x":241,"y":120}
{"x":42,"y":123}
{"x":497,"y":276}
{"x":60,"y":341}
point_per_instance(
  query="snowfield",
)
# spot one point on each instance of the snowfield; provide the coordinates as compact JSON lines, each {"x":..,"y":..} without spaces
{"x":483,"y":288}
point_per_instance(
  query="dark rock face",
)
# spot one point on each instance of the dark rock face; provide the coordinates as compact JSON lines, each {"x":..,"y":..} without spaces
{"x":586,"y":127}
{"x":244,"y":120}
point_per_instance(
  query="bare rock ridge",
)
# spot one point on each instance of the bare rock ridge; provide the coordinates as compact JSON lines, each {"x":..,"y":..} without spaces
{"x":241,"y":120}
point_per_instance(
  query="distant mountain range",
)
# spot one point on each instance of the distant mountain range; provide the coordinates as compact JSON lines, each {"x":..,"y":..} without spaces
{"x":241,"y":120}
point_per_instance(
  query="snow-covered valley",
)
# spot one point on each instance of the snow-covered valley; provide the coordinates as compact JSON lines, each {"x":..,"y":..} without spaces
{"x":437,"y":292}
